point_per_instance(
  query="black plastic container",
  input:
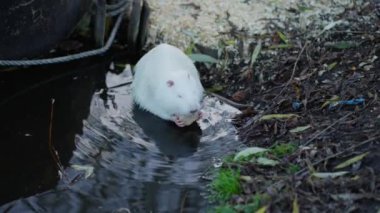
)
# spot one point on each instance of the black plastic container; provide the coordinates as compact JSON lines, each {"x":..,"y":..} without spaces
{"x":32,"y":27}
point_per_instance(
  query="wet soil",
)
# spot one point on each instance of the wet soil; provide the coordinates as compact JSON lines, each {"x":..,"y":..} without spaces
{"x":338,"y":64}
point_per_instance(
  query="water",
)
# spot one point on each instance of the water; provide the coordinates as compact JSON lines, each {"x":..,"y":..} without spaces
{"x":134,"y":161}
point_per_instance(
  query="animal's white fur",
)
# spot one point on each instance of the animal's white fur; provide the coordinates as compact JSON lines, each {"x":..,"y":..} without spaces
{"x":150,"y":85}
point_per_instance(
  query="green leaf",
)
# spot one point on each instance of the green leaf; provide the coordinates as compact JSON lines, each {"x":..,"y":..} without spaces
{"x":215,"y":88}
{"x":281,"y":46}
{"x":302,"y":8}
{"x":262,"y":209}
{"x":277,"y":116}
{"x":329,"y":174}
{"x":283,"y":37}
{"x":331,"y":66}
{"x":351,"y":161}
{"x":255,"y":53}
{"x":189,"y":50}
{"x":266,"y":161}
{"x":198,"y":57}
{"x":293,"y":168}
{"x":230,"y":42}
{"x":224,"y":209}
{"x":248,"y":151}
{"x":283,"y":149}
{"x":300,"y":129}
{"x":342,"y":44}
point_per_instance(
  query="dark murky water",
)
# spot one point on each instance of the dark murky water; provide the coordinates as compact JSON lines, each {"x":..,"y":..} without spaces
{"x":134,"y":160}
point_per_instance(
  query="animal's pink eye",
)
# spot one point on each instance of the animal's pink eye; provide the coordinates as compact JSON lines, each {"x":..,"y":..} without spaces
{"x":170,"y":83}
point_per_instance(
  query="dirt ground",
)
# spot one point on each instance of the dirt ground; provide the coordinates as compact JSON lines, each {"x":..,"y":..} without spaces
{"x":323,"y":84}
{"x":330,"y":80}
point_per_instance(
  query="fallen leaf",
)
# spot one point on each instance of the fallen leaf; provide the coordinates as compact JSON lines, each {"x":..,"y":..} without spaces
{"x":296,"y":208}
{"x":266,"y":161}
{"x":239,"y":96}
{"x":351,"y":161}
{"x":248,"y":151}
{"x":331,"y":66}
{"x":230,"y":42}
{"x":280,"y":46}
{"x":88,"y":170}
{"x":277,"y":116}
{"x":330,"y":26}
{"x":216,"y":88}
{"x":189,"y":49}
{"x":332,"y":100}
{"x":342,"y":44}
{"x":246,"y":178}
{"x":283,"y":37}
{"x":197,"y":57}
{"x":329,"y":174}
{"x":255,"y":53}
{"x":299,"y":129}
{"x":298,"y":90}
{"x":303,"y":9}
{"x":262,"y":209}
{"x":350,"y":196}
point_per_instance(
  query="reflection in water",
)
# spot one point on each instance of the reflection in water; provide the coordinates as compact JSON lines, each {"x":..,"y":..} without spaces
{"x":140,"y":162}
{"x":25,"y":100}
{"x":172,"y":141}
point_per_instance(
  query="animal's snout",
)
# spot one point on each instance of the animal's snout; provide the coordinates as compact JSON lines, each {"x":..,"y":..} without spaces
{"x":194,"y":111}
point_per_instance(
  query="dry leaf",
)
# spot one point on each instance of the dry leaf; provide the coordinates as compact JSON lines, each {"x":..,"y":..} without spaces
{"x":300,"y":129}
{"x":277,"y":116}
{"x":329,"y":174}
{"x":351,"y":161}
{"x":239,"y":96}
{"x":248,"y":151}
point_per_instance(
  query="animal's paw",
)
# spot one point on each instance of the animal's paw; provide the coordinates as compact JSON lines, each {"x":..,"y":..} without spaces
{"x":178,"y":121}
{"x":200,"y":115}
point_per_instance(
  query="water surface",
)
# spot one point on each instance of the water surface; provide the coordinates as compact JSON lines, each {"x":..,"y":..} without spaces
{"x":134,"y":160}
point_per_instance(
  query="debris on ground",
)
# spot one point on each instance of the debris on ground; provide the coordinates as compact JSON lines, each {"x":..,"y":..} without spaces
{"x":315,"y":118}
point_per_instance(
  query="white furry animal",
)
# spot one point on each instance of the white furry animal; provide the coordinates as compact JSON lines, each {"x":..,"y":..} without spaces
{"x":167,"y":84}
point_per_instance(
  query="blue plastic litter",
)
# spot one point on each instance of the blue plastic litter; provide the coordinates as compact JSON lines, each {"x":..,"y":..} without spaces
{"x":352,"y":102}
{"x":296,"y":105}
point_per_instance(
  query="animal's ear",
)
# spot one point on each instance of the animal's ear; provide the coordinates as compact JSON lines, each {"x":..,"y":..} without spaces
{"x":170,"y":83}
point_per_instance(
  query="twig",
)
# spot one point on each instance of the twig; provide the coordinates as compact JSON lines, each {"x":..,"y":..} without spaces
{"x":354,"y":32}
{"x":268,"y":109}
{"x":305,"y":171}
{"x":121,"y":84}
{"x":230,"y":102}
{"x":325,"y":129}
{"x":51,"y":147}
{"x":293,"y":72}
{"x":183,"y":202}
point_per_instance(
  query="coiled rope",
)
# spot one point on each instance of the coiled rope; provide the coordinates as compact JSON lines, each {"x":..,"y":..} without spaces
{"x":112,"y":11}
{"x":117,"y":8}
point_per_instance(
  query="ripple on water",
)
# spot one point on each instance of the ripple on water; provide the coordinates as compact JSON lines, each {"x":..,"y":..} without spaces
{"x":139,"y":161}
